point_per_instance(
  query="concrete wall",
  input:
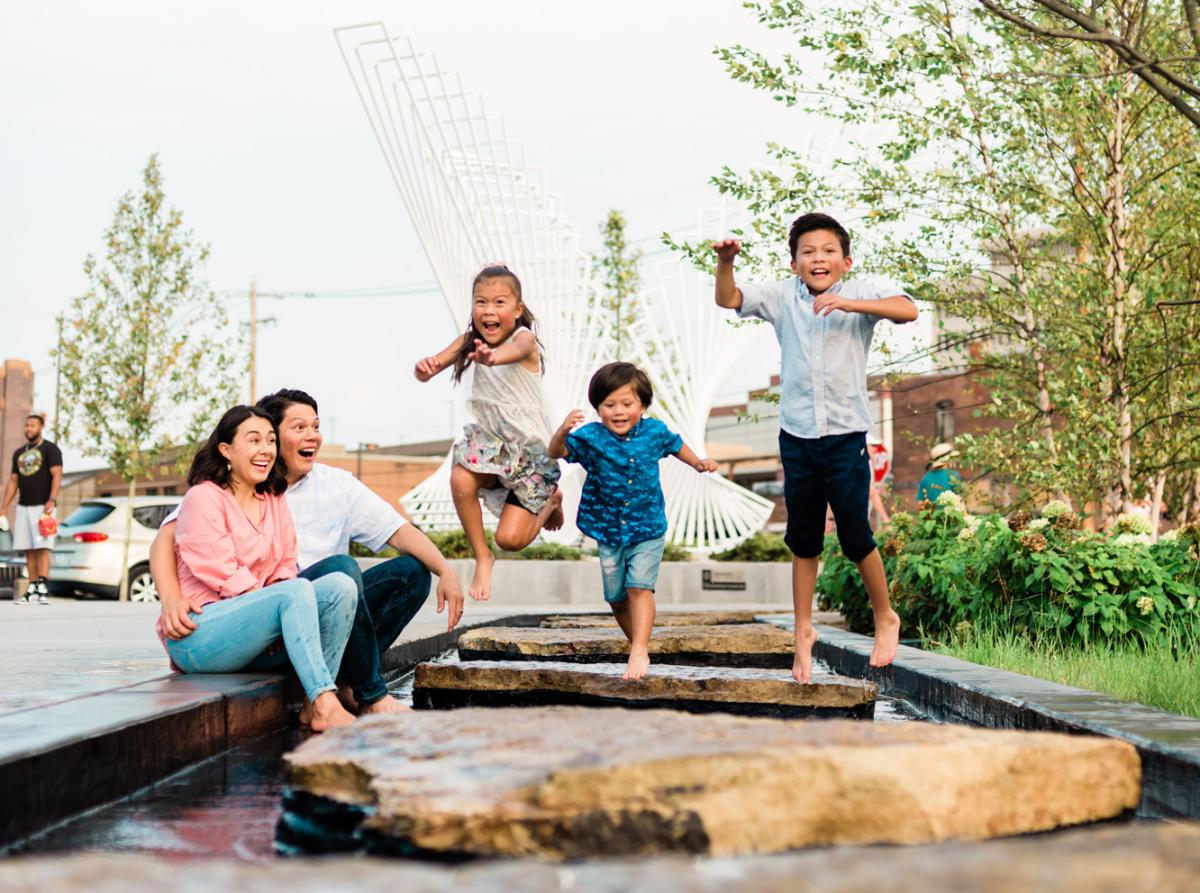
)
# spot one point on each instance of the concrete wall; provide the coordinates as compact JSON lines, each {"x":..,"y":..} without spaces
{"x":679,"y":582}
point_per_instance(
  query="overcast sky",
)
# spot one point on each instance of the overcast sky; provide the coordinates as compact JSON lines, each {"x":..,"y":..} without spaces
{"x":266,"y":151}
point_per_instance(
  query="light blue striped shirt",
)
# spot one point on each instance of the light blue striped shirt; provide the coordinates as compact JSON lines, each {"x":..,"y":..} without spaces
{"x":823,"y":376}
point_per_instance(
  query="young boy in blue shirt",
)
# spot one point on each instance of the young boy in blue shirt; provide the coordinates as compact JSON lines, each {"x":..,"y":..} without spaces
{"x":622,"y":506}
{"x":824,"y":326}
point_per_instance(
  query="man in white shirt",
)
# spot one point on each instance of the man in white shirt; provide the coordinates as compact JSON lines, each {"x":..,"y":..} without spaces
{"x":330,"y":508}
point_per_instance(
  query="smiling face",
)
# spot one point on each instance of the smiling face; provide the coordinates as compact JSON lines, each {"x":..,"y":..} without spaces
{"x":819,"y":261}
{"x":251,"y":453}
{"x":495,"y":308}
{"x":621,"y":410}
{"x":300,"y":440}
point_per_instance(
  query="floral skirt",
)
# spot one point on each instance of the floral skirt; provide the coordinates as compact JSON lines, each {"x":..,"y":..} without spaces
{"x":519,"y":463}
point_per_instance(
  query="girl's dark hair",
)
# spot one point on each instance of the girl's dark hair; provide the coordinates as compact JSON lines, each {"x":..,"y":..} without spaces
{"x":807,"y":223}
{"x":615,"y":376}
{"x":210,"y":465}
{"x":493,"y":271}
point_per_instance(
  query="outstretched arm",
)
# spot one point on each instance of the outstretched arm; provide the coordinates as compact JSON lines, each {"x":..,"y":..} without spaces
{"x":897,"y":308}
{"x":516,"y":349}
{"x":431,"y":366}
{"x":557,"y":448}
{"x":728,"y":294}
{"x":685,"y":454}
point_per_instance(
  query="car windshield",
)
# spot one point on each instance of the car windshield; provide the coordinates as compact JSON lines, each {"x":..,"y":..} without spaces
{"x":88,"y":513}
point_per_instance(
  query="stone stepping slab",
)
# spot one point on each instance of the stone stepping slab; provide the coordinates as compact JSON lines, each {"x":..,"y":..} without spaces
{"x":664,"y":618}
{"x":574,"y":782}
{"x":740,"y":645}
{"x":745,"y":692}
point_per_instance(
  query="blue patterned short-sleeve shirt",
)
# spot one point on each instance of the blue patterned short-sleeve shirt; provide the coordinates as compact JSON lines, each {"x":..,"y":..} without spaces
{"x":622,"y":500}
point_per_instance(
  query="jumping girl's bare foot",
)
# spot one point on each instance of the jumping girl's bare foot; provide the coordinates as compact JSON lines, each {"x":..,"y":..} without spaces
{"x":887,"y":638}
{"x":386,"y":704}
{"x":481,"y":582}
{"x":553,"y":512}
{"x":639,"y":663}
{"x":328,"y":713}
{"x":802,"y":665}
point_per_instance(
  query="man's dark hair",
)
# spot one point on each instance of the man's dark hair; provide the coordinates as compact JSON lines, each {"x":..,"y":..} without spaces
{"x":36,"y":415}
{"x":807,"y":223}
{"x":210,"y":465}
{"x":275,"y":405}
{"x":615,"y":376}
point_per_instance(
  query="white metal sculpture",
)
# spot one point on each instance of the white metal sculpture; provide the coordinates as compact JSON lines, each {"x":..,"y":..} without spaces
{"x":474,"y":199}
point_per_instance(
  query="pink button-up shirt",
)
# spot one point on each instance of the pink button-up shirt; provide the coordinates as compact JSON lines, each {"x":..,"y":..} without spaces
{"x":222,"y":553}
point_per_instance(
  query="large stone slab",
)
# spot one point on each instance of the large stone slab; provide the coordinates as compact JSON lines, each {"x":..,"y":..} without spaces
{"x":745,"y":692}
{"x":664,"y":618}
{"x":741,"y":645}
{"x":564,"y":782}
{"x":1143,"y":858}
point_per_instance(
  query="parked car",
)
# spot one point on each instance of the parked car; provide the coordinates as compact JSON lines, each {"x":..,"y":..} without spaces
{"x":87,"y":555}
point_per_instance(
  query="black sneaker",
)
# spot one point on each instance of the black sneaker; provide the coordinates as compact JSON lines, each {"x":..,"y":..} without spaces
{"x":42,"y":593}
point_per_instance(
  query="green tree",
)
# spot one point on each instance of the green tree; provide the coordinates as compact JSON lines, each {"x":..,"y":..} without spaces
{"x":618,"y":266}
{"x":147,"y":357}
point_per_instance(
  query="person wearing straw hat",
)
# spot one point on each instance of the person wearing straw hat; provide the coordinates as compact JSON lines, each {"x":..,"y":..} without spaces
{"x":939,"y":477}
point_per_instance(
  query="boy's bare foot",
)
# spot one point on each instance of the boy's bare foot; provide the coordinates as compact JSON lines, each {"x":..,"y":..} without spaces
{"x":328,"y":713}
{"x":386,"y":704}
{"x":887,"y":637}
{"x":345,"y":694}
{"x":481,"y":582}
{"x":639,"y":663}
{"x":802,"y":665}
{"x":554,"y":517}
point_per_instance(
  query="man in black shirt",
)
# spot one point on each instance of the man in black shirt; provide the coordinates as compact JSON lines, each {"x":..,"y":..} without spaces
{"x":36,"y":474}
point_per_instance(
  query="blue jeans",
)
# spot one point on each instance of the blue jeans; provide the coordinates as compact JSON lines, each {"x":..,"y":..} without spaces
{"x":389,"y":595}
{"x":313,"y":617}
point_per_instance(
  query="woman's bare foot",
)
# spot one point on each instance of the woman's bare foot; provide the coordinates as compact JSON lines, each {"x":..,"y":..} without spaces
{"x":481,"y":582}
{"x":639,"y":663}
{"x":328,"y":713}
{"x":887,"y":638}
{"x":386,"y":704}
{"x":802,"y":665}
{"x":552,"y":513}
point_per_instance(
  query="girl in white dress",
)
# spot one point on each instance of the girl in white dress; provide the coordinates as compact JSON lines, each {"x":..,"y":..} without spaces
{"x":502,"y":454}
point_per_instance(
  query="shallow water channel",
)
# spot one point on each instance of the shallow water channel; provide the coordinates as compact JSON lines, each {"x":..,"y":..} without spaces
{"x":228,"y":805}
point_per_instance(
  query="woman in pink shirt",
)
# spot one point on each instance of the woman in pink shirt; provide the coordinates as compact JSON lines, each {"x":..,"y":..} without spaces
{"x":235,"y":548}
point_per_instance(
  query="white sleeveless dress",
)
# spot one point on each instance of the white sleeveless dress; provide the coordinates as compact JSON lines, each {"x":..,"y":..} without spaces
{"x":509,"y":436}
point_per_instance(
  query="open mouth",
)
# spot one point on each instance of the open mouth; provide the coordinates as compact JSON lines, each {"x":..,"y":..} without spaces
{"x":307,"y":453}
{"x":261,"y":465}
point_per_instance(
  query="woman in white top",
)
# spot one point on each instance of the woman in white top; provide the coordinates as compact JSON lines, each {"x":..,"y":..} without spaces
{"x":502,"y":454}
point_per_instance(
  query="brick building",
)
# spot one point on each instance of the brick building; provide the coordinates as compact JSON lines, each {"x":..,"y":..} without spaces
{"x":16,"y":402}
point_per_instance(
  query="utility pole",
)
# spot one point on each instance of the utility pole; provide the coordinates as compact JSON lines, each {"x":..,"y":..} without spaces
{"x":253,"y":340}
{"x":57,"y":376}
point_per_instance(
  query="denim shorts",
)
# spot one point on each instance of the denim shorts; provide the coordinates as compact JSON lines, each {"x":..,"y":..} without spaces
{"x":630,"y":567}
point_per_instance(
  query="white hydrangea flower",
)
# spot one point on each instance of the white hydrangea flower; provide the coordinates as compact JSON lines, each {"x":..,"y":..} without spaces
{"x":1132,"y":524}
{"x":1191,"y":602}
{"x":1170,"y":536}
{"x":948,"y":499}
{"x":1132,"y":539}
{"x":967,"y":533}
{"x":1054,"y":508}
{"x":1145,"y":605}
{"x":1039,"y":524}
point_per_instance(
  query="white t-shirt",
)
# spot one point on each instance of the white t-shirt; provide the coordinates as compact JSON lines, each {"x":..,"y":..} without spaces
{"x":330,"y":507}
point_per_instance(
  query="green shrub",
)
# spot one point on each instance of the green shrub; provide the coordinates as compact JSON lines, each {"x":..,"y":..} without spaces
{"x":761,"y":546}
{"x":358,"y":550}
{"x":544,"y":552}
{"x":1032,"y":575}
{"x":454,"y":543}
{"x":676,"y":552}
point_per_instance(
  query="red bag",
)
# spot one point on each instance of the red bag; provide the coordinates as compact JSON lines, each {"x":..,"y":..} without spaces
{"x":47,"y":526}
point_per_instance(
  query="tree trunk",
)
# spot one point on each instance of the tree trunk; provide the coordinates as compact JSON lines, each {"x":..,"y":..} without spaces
{"x":1156,"y":492}
{"x":123,"y":592}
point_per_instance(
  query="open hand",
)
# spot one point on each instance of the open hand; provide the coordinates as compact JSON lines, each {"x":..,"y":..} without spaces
{"x":705,"y":465}
{"x":573,"y":420}
{"x":449,"y":594}
{"x":176,"y":624}
{"x":824,"y":304}
{"x":482,"y":354}
{"x":426,"y":369}
{"x":727,"y":250}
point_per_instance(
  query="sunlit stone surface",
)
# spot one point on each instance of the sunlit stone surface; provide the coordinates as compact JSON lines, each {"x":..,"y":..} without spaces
{"x":567,"y":782}
{"x":695,"y":689}
{"x":664,"y":618}
{"x":741,"y":645}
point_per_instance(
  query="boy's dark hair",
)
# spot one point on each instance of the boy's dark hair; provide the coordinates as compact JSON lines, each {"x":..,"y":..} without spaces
{"x":616,"y":375}
{"x":210,"y":465}
{"x":492,"y":271}
{"x":275,"y":405}
{"x":807,"y":223}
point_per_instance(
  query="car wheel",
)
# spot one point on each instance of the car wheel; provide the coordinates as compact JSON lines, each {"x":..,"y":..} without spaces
{"x":141,"y":584}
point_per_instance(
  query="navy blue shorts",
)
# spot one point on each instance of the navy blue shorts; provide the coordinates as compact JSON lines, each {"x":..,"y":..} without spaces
{"x":834,"y":471}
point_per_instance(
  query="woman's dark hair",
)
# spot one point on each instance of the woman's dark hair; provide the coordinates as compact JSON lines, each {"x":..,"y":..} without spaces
{"x":492,"y":271}
{"x":275,"y":405}
{"x":616,"y":375}
{"x":807,"y":223}
{"x":210,"y":465}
